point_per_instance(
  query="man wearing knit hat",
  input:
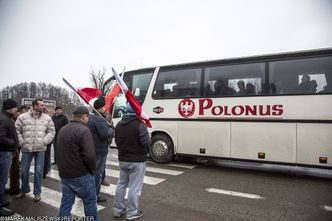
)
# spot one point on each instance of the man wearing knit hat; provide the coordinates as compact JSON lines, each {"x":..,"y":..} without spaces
{"x":133,"y":141}
{"x":15,"y":168}
{"x":8,"y":144}
{"x":101,"y":132}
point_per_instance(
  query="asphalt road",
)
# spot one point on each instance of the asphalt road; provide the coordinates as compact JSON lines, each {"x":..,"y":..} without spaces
{"x":196,"y":192}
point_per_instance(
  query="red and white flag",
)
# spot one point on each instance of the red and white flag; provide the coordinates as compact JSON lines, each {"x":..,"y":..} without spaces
{"x":132,"y":100}
{"x":110,"y":97}
{"x":87,"y":93}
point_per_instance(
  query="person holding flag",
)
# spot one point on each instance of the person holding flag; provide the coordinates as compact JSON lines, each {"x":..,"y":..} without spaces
{"x":89,"y":96}
{"x":133,"y":141}
{"x":101,"y":132}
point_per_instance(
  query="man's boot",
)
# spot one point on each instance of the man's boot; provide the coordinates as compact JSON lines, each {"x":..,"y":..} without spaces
{"x":4,"y":211}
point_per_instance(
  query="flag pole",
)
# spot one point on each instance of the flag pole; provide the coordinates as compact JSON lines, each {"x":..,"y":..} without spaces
{"x":71,"y":87}
{"x":124,"y":68}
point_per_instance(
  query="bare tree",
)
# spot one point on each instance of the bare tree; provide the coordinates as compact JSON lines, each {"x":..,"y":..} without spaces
{"x":33,"y":89}
{"x":99,"y":81}
{"x":49,"y":92}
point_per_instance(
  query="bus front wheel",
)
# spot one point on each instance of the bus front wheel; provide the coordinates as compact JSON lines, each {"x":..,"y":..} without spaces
{"x":162,"y":149}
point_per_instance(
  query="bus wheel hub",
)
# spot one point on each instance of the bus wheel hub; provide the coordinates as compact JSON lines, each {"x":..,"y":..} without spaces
{"x":160,"y":148}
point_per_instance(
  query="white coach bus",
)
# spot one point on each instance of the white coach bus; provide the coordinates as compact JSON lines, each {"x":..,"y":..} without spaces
{"x":271,"y":108}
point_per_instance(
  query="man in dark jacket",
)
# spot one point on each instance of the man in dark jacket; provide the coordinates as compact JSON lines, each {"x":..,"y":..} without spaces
{"x":101,"y":132}
{"x":15,"y":167}
{"x":8,"y":144}
{"x":59,"y":121}
{"x":133,"y":141}
{"x":77,"y":165}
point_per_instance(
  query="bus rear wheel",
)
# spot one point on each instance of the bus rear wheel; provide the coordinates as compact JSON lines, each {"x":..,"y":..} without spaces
{"x":162,"y":149}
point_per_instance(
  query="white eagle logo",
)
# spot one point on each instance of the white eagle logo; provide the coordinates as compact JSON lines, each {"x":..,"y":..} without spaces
{"x":186,"y":108}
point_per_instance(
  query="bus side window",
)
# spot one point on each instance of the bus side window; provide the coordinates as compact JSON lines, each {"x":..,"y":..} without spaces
{"x":179,"y":90}
{"x":190,"y":89}
{"x":302,"y":76}
{"x":165,"y":93}
{"x":221,"y":88}
{"x":273,"y":89}
{"x":208,"y":90}
{"x":140,"y":84}
{"x":251,"y":89}
{"x":178,"y":83}
{"x":234,"y":80}
{"x":327,"y":89}
{"x":119,"y":105}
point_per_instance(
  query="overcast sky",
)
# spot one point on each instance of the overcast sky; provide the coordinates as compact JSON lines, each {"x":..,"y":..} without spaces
{"x":45,"y":40}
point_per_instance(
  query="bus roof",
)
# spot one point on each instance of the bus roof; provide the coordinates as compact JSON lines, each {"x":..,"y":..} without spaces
{"x":265,"y":57}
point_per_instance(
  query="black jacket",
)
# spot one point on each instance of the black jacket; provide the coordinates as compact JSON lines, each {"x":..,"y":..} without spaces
{"x":101,"y":132}
{"x":59,"y":121}
{"x":8,"y":134}
{"x":132,"y":139}
{"x":76,"y":151}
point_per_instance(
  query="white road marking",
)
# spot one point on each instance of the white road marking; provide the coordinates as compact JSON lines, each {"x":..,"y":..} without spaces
{"x":151,"y":169}
{"x":114,"y":173}
{"x":327,"y":208}
{"x":115,"y":156}
{"x":232,"y":193}
{"x":53,"y":198}
{"x":109,"y":190}
{"x":181,"y":165}
{"x":147,"y":179}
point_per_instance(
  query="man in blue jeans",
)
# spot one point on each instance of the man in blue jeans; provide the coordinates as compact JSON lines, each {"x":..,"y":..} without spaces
{"x":101,"y":131}
{"x":8,"y":144}
{"x":35,"y":131}
{"x":76,"y":164}
{"x":133,"y":141}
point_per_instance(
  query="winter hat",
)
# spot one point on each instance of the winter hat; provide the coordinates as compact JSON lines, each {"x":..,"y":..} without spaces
{"x":9,"y":104}
{"x":99,"y":103}
{"x":23,"y":107}
{"x":81,"y":110}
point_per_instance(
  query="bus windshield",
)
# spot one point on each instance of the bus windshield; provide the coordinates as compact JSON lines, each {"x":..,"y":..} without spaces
{"x":138,"y":84}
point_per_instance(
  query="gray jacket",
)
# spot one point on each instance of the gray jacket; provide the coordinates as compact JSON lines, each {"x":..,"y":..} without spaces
{"x":35,"y":131}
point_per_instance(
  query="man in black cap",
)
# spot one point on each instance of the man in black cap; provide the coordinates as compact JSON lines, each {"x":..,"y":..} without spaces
{"x":101,"y":132}
{"x":77,"y":165}
{"x":8,"y":144}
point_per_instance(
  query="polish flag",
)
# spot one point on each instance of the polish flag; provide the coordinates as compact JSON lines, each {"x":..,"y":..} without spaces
{"x":132,"y":100}
{"x":110,"y":97}
{"x":87,"y":93}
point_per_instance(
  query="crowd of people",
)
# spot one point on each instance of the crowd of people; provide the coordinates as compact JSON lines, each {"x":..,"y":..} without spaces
{"x":221,"y":88}
{"x":80,"y":154}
